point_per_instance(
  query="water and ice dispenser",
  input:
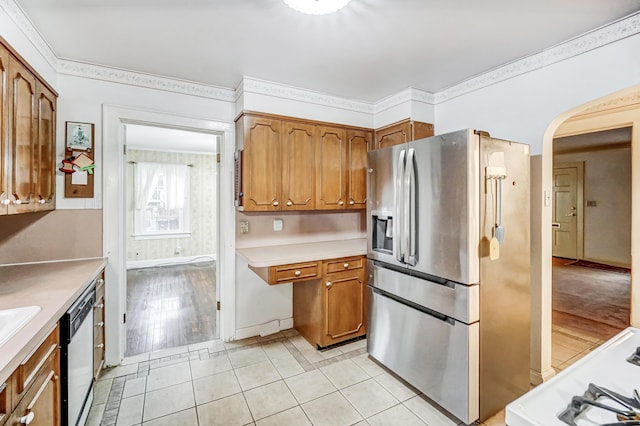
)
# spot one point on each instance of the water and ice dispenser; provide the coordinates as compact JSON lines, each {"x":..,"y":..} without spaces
{"x":382,"y":237}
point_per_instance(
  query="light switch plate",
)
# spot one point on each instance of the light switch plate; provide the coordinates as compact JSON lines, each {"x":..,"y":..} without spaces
{"x":277,"y":225}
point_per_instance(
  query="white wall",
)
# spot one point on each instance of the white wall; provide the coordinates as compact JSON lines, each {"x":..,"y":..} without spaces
{"x":521,"y":108}
{"x":607,"y":226}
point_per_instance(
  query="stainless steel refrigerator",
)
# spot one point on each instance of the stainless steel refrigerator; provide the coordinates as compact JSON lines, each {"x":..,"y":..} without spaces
{"x":449,"y":268}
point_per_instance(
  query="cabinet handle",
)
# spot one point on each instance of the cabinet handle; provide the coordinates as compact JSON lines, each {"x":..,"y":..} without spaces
{"x":346,"y":265}
{"x":18,"y":201}
{"x":100,"y":324}
{"x":340,"y":203}
{"x":351,"y":203}
{"x":100,"y":346}
{"x":289,"y":203}
{"x":297,"y":273}
{"x":25,"y":420}
{"x":275,"y":203}
{"x":329,"y":284}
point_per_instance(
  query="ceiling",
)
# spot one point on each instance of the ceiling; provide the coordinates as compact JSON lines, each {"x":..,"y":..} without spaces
{"x":369,"y":50}
{"x":166,"y":139}
{"x":593,"y":141}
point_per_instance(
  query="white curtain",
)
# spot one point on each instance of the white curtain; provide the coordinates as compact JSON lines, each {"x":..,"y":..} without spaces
{"x":177,"y":183}
{"x":146,"y":178}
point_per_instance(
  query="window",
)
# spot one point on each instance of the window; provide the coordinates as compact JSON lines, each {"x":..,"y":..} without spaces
{"x":162,"y":199}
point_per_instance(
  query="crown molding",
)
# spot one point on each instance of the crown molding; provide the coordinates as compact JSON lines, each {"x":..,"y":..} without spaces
{"x":618,"y":30}
{"x":134,"y":78}
{"x":25,"y":25}
{"x":408,"y":95}
{"x":268,"y":88}
{"x":631,"y":100}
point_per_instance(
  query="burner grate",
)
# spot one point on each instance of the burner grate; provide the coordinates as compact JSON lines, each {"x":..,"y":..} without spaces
{"x":628,"y":416}
{"x":635,"y":357}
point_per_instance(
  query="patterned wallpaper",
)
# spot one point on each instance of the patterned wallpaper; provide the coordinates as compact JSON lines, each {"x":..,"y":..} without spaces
{"x":202,"y":203}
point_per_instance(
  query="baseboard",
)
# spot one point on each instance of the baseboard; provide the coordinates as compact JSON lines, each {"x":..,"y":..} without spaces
{"x":244,"y":333}
{"x":608,"y":262}
{"x":536,"y":377}
{"x":149,"y":263}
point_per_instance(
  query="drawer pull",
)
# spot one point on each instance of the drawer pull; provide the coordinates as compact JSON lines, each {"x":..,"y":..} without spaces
{"x":297,"y":273}
{"x":346,"y":265}
{"x":100,"y":346}
{"x":25,"y":420}
{"x":100,"y":324}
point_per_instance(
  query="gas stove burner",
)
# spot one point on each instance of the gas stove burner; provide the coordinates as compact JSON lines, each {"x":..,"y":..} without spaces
{"x":594,"y":397}
{"x":635,"y":357}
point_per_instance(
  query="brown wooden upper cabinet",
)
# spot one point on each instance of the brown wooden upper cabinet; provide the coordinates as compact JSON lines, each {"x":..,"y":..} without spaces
{"x":27,"y":138}
{"x":291,"y":164}
{"x":401,"y":132}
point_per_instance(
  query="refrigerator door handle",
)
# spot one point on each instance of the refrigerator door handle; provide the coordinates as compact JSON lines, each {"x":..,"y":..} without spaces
{"x":409,"y":209}
{"x":398,"y":238}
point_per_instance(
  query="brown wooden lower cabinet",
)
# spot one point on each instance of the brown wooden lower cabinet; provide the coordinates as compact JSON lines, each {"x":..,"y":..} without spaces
{"x":98,"y":330}
{"x":332,"y":309}
{"x":36,"y":386}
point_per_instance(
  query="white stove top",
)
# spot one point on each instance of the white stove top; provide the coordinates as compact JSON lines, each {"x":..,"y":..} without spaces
{"x":606,"y":366}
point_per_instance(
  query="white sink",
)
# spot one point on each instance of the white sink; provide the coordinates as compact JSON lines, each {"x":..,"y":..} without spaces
{"x":12,"y":320}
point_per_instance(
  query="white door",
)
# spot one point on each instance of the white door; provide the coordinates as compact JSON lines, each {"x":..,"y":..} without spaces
{"x":565,"y":212}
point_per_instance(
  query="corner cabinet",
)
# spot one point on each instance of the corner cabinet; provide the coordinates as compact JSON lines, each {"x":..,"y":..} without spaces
{"x":27,"y":138}
{"x":300,"y":165}
{"x":402,"y":132}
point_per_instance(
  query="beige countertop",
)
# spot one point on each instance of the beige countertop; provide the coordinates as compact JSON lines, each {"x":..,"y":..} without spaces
{"x":260,"y":257}
{"x":53,"y":286}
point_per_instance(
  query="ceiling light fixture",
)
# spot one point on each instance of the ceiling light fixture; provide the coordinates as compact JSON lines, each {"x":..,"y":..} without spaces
{"x":316,"y":7}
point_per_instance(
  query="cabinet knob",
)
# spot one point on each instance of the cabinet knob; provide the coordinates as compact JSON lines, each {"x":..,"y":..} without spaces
{"x":275,"y":203}
{"x":351,"y":202}
{"x":100,"y":306}
{"x":6,"y":202}
{"x":297,"y":273}
{"x":340,"y":203}
{"x":100,"y":346}
{"x":100,"y":324}
{"x":25,"y":420}
{"x":346,"y":265}
{"x":289,"y":203}
{"x":42,"y":201}
{"x":329,"y":284}
{"x":99,"y":281}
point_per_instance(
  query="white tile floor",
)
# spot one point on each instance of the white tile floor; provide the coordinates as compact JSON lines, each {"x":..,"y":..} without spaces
{"x":278,"y":380}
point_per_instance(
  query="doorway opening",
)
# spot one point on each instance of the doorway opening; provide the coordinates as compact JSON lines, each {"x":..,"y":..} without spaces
{"x":171,"y":237}
{"x":591,"y":236}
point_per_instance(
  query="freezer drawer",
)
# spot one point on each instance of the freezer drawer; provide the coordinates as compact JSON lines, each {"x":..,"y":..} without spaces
{"x":440,"y":358}
{"x":461,"y":302}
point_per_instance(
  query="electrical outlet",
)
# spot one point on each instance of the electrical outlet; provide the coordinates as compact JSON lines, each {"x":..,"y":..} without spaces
{"x":277,"y":225}
{"x":592,"y":203}
{"x":178,"y":249}
{"x":244,"y":227}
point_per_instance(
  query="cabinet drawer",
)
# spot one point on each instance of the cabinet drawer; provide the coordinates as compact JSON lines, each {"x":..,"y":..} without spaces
{"x":41,"y":402}
{"x":344,"y":264}
{"x":28,"y":369}
{"x":294,"y":272}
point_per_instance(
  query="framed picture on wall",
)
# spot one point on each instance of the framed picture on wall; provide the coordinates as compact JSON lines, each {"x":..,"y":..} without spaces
{"x":79,"y":136}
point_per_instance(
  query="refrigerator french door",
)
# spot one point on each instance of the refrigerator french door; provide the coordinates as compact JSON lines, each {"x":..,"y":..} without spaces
{"x":448,"y":301}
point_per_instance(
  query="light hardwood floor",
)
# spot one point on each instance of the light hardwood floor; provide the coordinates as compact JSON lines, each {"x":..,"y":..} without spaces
{"x":170,"y":306}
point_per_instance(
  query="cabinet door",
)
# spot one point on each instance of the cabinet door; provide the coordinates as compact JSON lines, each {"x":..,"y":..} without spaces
{"x":261,"y":172}
{"x":4,"y":144}
{"x":41,"y":403}
{"x":393,"y":135}
{"x":358,"y":142}
{"x":45,"y":151}
{"x":331,"y":168}
{"x":344,"y":306}
{"x":298,"y":187}
{"x":22,"y":141}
